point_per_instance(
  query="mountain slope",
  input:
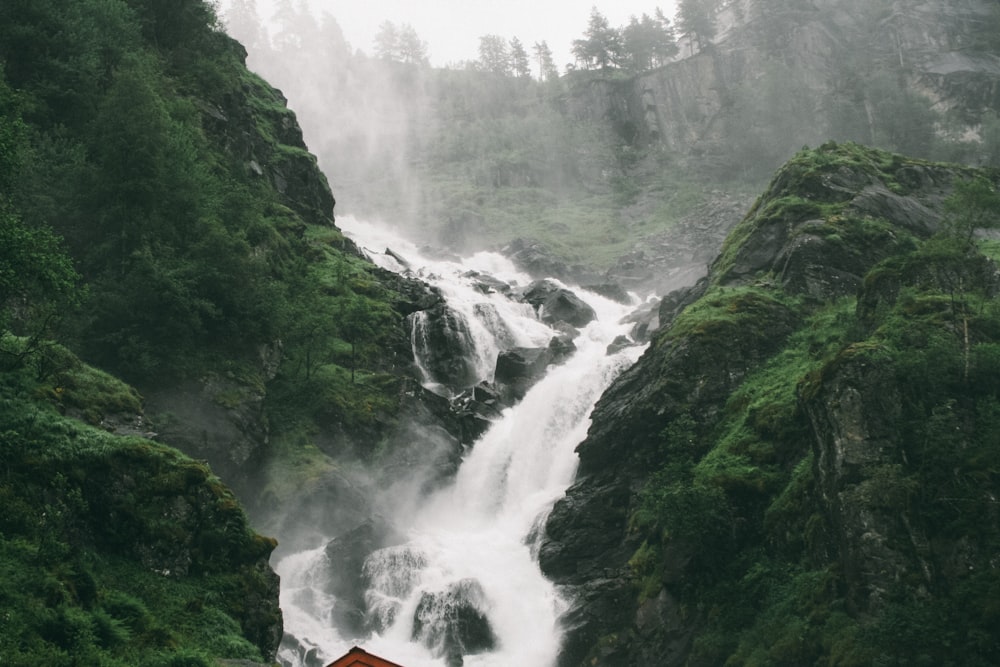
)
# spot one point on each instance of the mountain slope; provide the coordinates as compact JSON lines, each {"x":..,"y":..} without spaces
{"x":801,"y":468}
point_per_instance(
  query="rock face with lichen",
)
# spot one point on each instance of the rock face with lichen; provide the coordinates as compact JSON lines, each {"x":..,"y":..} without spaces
{"x":798,"y":469}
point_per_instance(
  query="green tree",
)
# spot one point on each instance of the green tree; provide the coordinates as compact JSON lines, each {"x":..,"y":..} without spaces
{"x":696,"y":18}
{"x":37,"y":278}
{"x":493,"y":55}
{"x":665,"y":45}
{"x":648,"y":42}
{"x":387,"y":41}
{"x":973,"y":205}
{"x":601,"y":46}
{"x":547,"y":70}
{"x":519,"y":62}
{"x":412,"y":49}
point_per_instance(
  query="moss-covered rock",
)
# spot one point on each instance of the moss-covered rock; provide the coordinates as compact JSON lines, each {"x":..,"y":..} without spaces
{"x":115,"y":547}
{"x":796,"y":471}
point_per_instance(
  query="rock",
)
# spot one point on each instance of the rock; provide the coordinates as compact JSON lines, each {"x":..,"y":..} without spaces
{"x":219,"y":419}
{"x":557,"y":304}
{"x":345,"y":577}
{"x":477,"y":409}
{"x":487,"y":284}
{"x":612,"y":291}
{"x":453,"y":622}
{"x":619,"y":344}
{"x":531,"y":256}
{"x":443,"y":345}
{"x":396,"y":256}
{"x":561,"y":347}
{"x":518,"y":369}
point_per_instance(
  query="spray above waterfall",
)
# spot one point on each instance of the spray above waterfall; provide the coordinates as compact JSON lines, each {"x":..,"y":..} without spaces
{"x":452,"y":579}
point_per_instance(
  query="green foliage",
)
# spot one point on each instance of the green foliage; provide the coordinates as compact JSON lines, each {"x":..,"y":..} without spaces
{"x":84,"y":526}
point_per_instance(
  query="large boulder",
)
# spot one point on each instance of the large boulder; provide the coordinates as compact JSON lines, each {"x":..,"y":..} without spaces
{"x":555,"y":304}
{"x":453,"y":622}
{"x":442,"y":344}
{"x":346,"y":556}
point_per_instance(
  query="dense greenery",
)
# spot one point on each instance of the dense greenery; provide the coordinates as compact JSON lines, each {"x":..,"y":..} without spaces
{"x":161,"y":217}
{"x":772,"y":565}
{"x":93,"y":524}
{"x":190,"y":261}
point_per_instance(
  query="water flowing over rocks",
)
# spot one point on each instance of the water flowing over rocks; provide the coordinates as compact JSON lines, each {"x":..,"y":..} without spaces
{"x":452,"y":574}
{"x":556,"y":304}
{"x":453,"y":623}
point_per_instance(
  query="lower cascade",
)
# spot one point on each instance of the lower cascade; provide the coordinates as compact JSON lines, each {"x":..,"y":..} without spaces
{"x":451,"y":577}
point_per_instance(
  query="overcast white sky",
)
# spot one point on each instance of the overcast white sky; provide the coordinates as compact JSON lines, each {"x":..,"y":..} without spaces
{"x":452,"y":28}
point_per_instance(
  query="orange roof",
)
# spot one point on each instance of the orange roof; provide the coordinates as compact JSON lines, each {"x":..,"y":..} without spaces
{"x":358,"y":657}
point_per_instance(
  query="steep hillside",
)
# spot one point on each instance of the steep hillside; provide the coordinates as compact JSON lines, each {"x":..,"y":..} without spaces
{"x":802,"y":467}
{"x":115,"y":550}
{"x":161,"y":218}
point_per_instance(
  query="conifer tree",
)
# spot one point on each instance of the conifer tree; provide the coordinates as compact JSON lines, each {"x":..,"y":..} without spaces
{"x":696,"y":18}
{"x":547,"y":70}
{"x":493,"y":55}
{"x":519,"y":59}
{"x":601,"y":47}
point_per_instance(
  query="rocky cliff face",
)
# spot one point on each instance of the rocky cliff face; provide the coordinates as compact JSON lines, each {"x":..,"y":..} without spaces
{"x":780,"y":74}
{"x":757,"y":485}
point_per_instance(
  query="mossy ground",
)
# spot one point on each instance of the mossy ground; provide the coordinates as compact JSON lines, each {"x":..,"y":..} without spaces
{"x":77,"y":501}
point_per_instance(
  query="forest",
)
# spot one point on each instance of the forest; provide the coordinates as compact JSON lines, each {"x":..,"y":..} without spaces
{"x":510,"y":144}
{"x":167,"y":234}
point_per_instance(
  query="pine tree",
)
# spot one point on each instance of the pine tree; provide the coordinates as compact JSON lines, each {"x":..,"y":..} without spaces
{"x":519,"y":61}
{"x":697,"y":19}
{"x":387,"y":41}
{"x":493,"y":55}
{"x":412,"y":49}
{"x":547,"y":70}
{"x":602,"y":44}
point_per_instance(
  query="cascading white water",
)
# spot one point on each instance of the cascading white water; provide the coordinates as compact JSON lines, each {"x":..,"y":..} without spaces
{"x":469,"y":545}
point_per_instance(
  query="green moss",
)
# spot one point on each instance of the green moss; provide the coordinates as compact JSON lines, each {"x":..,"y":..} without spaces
{"x":81,"y":507}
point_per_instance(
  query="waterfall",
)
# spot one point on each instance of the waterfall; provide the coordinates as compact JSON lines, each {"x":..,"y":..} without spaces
{"x":464,"y":585}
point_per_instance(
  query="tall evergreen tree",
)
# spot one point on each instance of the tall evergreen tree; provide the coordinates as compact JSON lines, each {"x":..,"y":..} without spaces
{"x":493,"y":55}
{"x":519,"y":61}
{"x":601,"y":46}
{"x":696,"y":18}
{"x":547,"y":70}
{"x":412,"y":49}
{"x":387,"y":41}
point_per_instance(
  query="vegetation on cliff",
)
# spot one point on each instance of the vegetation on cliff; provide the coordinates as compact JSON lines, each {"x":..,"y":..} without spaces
{"x":599,"y":162}
{"x":811,"y":443}
{"x":161,"y":217}
{"x":115,"y":550}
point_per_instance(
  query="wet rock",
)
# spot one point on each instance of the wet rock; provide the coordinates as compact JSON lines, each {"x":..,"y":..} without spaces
{"x":518,"y":369}
{"x":346,"y":555}
{"x":558,"y":304}
{"x":612,"y":291}
{"x":443,"y":345}
{"x":619,"y":344}
{"x":477,"y":409}
{"x":453,"y":623}
{"x":487,"y":284}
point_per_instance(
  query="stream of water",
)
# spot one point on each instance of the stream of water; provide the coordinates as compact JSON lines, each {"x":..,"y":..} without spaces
{"x":473,"y":541}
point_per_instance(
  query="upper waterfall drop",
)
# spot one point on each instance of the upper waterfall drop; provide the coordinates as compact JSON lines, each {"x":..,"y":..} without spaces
{"x":460,"y":584}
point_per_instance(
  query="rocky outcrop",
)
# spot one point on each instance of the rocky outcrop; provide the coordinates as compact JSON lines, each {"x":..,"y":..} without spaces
{"x":555,"y":304}
{"x":819,"y":469}
{"x":453,"y":622}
